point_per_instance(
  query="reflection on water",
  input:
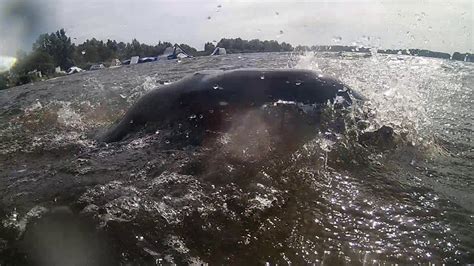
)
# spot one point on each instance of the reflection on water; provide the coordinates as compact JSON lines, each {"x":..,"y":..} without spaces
{"x":263,"y":191}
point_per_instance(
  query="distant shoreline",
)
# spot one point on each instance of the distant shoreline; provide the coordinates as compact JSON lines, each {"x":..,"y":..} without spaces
{"x":55,"y":52}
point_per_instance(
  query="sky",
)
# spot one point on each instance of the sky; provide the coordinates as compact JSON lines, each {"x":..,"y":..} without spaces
{"x":445,"y":26}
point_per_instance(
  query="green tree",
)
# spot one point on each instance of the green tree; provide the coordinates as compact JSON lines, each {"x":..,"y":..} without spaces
{"x":58,"y":45}
{"x":209,"y":47}
{"x":3,"y":80}
{"x":37,"y":60}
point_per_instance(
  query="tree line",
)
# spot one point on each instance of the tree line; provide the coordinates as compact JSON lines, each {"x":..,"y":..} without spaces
{"x":57,"y":50}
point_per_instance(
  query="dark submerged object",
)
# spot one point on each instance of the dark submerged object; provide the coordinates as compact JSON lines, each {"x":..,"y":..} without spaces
{"x":234,"y":90}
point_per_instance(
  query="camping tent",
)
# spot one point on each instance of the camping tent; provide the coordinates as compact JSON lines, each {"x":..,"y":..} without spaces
{"x":174,"y":52}
{"x":134,"y":60}
{"x":219,"y":51}
{"x":115,"y":63}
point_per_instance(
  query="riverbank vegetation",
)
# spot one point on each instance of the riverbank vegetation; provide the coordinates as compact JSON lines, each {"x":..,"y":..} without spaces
{"x":56,"y":49}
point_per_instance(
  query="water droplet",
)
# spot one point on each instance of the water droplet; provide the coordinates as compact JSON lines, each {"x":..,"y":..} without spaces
{"x":123,"y":96}
{"x":223,"y":103}
{"x":337,"y":39}
{"x":167,"y":141}
{"x":262,"y":77}
{"x":276,"y":13}
{"x":211,"y":111}
{"x":193,"y":116}
{"x":281,"y":32}
{"x":83,"y":52}
{"x":209,"y":17}
{"x":298,"y":83}
{"x":219,"y":6}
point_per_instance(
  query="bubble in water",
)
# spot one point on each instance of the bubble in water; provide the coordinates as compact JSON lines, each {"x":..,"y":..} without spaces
{"x":277,"y":13}
{"x":281,"y":32}
{"x":219,"y":6}
{"x":209,"y":17}
{"x":83,"y":52}
{"x":262,"y":77}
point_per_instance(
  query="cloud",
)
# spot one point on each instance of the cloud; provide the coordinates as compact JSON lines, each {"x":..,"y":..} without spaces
{"x":388,"y":24}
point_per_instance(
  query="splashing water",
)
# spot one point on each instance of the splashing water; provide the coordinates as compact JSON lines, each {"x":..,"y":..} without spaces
{"x":285,"y":183}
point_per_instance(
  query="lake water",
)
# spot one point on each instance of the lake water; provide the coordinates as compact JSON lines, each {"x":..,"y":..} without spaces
{"x":244,"y":195}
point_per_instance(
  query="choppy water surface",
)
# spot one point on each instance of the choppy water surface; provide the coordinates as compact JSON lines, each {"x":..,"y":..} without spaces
{"x":247,"y":194}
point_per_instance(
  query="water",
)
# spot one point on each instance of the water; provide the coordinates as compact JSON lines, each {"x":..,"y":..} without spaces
{"x":331,"y":196}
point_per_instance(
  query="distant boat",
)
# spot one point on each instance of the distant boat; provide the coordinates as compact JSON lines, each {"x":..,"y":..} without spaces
{"x":97,"y":67}
{"x":147,"y":59}
{"x":174,"y":52}
{"x":74,"y":70}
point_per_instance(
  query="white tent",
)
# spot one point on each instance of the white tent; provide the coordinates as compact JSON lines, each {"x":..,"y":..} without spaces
{"x":134,"y":60}
{"x":219,"y":51}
